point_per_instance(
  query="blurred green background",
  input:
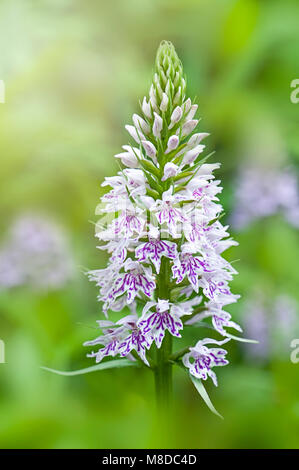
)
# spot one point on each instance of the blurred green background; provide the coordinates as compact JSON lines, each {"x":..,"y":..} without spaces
{"x":74,"y":72}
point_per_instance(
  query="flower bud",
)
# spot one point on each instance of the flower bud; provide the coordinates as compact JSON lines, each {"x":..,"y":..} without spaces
{"x":168,"y":87}
{"x":187,"y":105}
{"x":177,"y":96}
{"x":188,"y":127}
{"x":192,"y":112}
{"x":146,"y":108}
{"x":128,"y":159}
{"x":149,"y":148}
{"x":170,"y":170}
{"x":192,"y":154}
{"x":195,"y":139}
{"x":157,"y":126}
{"x":141,"y":124}
{"x":175,"y":117}
{"x":164,"y":102}
{"x":153,"y":98}
{"x":172,"y":143}
{"x":137,"y":136}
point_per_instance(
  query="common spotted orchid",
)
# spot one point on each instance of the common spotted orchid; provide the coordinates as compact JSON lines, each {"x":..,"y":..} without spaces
{"x":165,"y":240}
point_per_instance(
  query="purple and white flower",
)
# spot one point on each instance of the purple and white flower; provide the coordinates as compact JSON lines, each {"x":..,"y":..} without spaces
{"x":201,"y":359}
{"x":157,"y":317}
{"x":154,"y":249}
{"x":135,"y":279}
{"x":167,"y":211}
{"x":121,"y":338}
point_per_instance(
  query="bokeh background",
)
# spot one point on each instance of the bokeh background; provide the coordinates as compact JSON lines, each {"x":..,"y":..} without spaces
{"x":74,"y":71}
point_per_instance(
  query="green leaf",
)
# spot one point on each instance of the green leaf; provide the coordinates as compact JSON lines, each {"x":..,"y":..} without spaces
{"x":102,"y":366}
{"x":243,"y":340}
{"x":185,"y":174}
{"x":204,"y":395}
{"x":150,"y":167}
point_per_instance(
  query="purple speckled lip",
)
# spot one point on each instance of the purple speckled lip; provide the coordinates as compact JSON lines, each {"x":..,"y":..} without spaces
{"x":153,"y":250}
{"x":158,"y":322}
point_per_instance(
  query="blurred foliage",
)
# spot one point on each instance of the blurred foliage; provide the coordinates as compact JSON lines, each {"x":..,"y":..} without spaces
{"x":74,"y":71}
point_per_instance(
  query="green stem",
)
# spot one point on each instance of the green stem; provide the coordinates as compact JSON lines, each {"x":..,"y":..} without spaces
{"x":163,"y":375}
{"x":163,"y":369}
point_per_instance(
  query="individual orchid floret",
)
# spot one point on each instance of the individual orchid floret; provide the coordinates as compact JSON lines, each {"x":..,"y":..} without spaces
{"x":121,"y":338}
{"x":201,"y":359}
{"x":152,"y":99}
{"x":129,"y":157}
{"x":166,"y":211}
{"x":192,"y":112}
{"x":130,"y":222}
{"x":154,"y":249}
{"x":157,"y":317}
{"x":191,"y":266}
{"x":137,"y":341}
{"x":192,"y":154}
{"x":135,"y":279}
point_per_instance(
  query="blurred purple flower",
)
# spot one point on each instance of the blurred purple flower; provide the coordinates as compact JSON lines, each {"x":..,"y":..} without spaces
{"x":273,"y":324}
{"x":257,"y":327}
{"x":263,"y":192}
{"x":35,"y":254}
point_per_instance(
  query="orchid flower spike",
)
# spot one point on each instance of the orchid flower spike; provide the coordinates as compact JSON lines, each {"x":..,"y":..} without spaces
{"x":165,"y":240}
